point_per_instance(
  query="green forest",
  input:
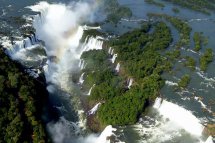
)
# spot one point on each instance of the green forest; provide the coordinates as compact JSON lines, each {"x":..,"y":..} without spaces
{"x":205,"y":59}
{"x":204,"y":6}
{"x":182,"y":27}
{"x":21,"y":98}
{"x":139,"y":55}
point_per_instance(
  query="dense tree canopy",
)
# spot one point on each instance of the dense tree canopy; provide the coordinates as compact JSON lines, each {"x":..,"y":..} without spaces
{"x":21,"y":98}
{"x":140,"y":59}
{"x":205,"y":59}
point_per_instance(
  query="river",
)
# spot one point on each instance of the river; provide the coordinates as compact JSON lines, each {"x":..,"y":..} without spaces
{"x":179,"y":117}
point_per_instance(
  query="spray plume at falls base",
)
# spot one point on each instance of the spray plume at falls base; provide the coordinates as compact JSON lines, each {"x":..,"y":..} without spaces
{"x":169,"y":122}
{"x":59,"y":26}
{"x":64,"y":50}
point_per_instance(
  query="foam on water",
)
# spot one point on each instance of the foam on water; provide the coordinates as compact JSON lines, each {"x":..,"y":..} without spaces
{"x":202,"y":104}
{"x":58,"y":25}
{"x":180,"y":116}
{"x":171,"y":83}
{"x":23,"y":50}
{"x":172,"y":123}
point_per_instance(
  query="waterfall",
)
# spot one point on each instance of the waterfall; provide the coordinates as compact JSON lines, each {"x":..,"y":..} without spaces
{"x":157,"y":103}
{"x":94,"y":109}
{"x":28,"y":42}
{"x":117,"y":67}
{"x":209,"y":140}
{"x":20,"y":49}
{"x":130,"y":82}
{"x":180,"y":116}
{"x":18,"y":46}
{"x":81,"y":79}
{"x":90,"y":90}
{"x":58,"y":27}
{"x":104,"y":137}
{"x":109,"y":50}
{"x":33,"y":39}
{"x":112,"y":52}
{"x":114,"y":58}
{"x":93,"y":43}
{"x":82,"y":64}
{"x":170,"y":123}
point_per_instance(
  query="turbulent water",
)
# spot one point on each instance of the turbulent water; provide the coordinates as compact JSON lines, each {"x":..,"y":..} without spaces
{"x":56,"y":48}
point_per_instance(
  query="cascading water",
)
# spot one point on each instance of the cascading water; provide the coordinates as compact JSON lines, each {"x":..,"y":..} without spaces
{"x":94,"y":109}
{"x":61,"y":34}
{"x":90,"y":90}
{"x":114,"y":58}
{"x":63,"y":49}
{"x":82,"y":64}
{"x":112,"y":51}
{"x":130,"y":82}
{"x":18,"y":49}
{"x":92,"y":43}
{"x":169,"y":122}
{"x":109,"y":50}
{"x":81,"y":79}
{"x":117,"y":67}
{"x":179,"y":116}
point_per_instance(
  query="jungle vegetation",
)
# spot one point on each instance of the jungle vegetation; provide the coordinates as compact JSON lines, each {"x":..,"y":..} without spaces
{"x":204,"y":6}
{"x":21,"y":100}
{"x":140,"y":59}
{"x":206,"y":58}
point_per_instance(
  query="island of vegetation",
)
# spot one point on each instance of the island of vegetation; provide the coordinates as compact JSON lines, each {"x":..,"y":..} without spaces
{"x":21,"y":98}
{"x":138,"y":53}
{"x":205,"y":59}
{"x":183,"y":28}
{"x":184,"y":81}
{"x":156,"y":3}
{"x":115,"y":11}
{"x":175,"y":10}
{"x":197,"y":38}
{"x":190,"y":62}
{"x":204,"y":6}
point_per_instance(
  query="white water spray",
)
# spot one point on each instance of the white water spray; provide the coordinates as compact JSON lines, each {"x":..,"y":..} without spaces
{"x":130,"y":82}
{"x":90,"y":90}
{"x":173,"y":123}
{"x":109,"y":50}
{"x":180,"y":116}
{"x":94,"y":109}
{"x":92,"y":44}
{"x":117,"y":67}
{"x":81,"y":79}
{"x":112,"y":51}
{"x":114,"y":58}
{"x":58,"y":25}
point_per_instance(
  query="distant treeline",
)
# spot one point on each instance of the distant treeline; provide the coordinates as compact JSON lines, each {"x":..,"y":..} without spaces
{"x":204,"y":6}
